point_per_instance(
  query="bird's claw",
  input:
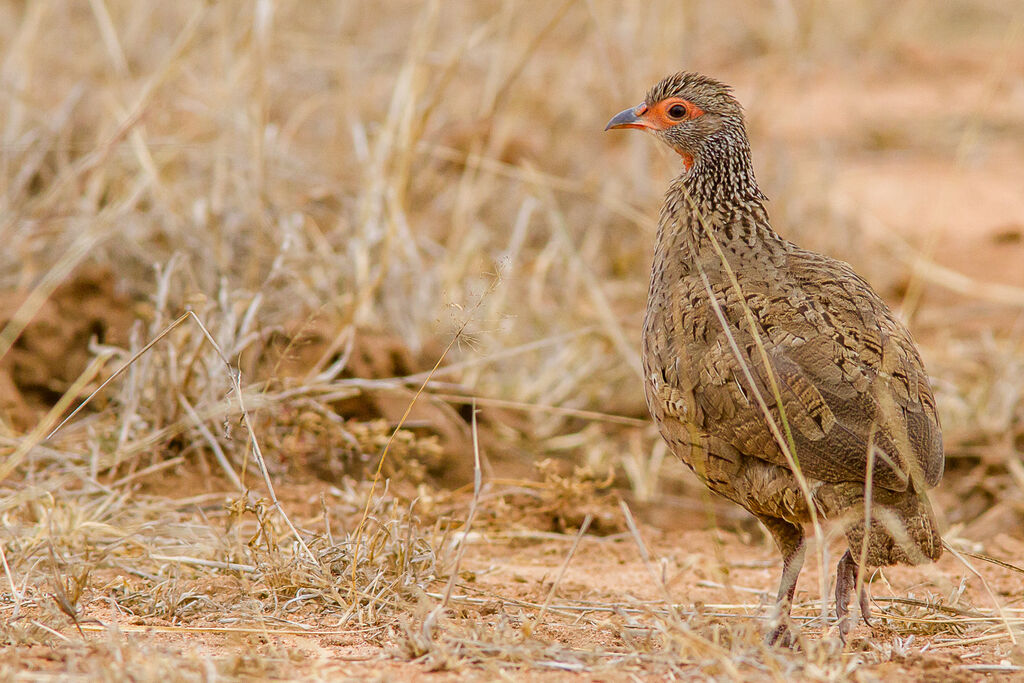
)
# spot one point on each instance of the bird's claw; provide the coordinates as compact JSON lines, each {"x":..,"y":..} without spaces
{"x":865,"y":607}
{"x":781,"y":636}
{"x":846,"y":581}
{"x":843,"y":621}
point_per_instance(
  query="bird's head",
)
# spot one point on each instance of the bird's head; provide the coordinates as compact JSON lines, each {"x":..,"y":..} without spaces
{"x":686,"y":110}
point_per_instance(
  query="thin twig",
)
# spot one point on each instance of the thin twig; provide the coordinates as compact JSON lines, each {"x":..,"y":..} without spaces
{"x":218,"y":452}
{"x":869,"y":480}
{"x":538,"y":408}
{"x":561,"y":572}
{"x":477,"y":478}
{"x":199,"y":562}
{"x":998,"y":604}
{"x":146,"y":471}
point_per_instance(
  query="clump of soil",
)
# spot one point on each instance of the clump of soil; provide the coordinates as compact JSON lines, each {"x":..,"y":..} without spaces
{"x":53,"y":350}
{"x":346,"y":435}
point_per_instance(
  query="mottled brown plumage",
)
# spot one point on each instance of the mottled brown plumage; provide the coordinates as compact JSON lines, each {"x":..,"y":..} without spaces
{"x":791,"y":333}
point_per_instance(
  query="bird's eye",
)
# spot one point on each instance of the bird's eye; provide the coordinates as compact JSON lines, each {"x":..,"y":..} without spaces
{"x":677,"y":111}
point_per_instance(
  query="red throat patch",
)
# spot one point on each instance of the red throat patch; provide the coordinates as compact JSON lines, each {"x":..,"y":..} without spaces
{"x":687,"y":159}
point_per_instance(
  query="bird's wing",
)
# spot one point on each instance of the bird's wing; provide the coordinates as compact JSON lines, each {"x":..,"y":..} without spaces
{"x":846,"y":373}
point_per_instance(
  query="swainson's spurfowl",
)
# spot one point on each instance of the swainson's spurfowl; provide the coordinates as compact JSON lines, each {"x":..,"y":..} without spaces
{"x":776,"y":373}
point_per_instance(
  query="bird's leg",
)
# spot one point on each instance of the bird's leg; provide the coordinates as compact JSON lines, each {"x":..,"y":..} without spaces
{"x":846,"y":580}
{"x":791,"y":564}
{"x":865,"y":605}
{"x":790,"y":539}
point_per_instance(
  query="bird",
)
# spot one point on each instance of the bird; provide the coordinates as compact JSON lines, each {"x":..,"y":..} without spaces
{"x":777,"y":374}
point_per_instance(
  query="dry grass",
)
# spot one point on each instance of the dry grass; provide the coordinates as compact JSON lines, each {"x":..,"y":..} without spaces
{"x":339,"y":197}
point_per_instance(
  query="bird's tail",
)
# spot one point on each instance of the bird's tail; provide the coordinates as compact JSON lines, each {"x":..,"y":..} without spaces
{"x":903,"y":530}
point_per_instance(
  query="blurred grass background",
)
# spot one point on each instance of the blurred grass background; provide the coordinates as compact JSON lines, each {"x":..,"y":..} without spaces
{"x":298,"y":171}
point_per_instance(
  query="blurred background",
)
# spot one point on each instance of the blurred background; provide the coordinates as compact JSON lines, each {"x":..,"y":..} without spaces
{"x":357,"y":181}
{"x":346,"y":194}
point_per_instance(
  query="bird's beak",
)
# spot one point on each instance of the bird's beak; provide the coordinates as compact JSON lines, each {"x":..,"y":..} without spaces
{"x":631,"y":118}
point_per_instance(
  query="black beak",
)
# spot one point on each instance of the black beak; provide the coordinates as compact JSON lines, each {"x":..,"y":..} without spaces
{"x":629,"y":118}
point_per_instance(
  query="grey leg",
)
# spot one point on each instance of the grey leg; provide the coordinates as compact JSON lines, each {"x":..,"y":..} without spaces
{"x":790,"y":540}
{"x":846,"y":581}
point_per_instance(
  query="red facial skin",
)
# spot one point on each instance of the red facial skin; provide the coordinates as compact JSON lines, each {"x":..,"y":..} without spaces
{"x":658,"y":118}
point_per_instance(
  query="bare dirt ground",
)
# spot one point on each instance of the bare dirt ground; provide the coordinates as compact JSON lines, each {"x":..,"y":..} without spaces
{"x":332,"y":189}
{"x":606,"y":616}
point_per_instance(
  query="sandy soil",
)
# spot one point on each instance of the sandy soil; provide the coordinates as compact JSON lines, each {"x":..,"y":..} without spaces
{"x":604,"y":599}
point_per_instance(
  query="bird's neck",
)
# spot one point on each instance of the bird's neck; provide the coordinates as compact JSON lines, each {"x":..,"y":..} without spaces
{"x":717,"y":196}
{"x":723,"y":172}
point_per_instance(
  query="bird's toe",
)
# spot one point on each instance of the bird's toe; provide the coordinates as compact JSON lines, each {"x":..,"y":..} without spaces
{"x":865,"y":606}
{"x":781,"y":636}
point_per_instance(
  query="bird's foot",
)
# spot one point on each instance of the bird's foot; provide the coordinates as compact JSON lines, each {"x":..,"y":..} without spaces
{"x":846,"y":582}
{"x":865,"y":606}
{"x":781,"y":636}
{"x":842,"y":620}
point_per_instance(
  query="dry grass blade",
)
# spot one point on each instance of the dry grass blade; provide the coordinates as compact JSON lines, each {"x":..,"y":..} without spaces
{"x":648,"y":565}
{"x":117,"y":373}
{"x":36,"y":436}
{"x":988,"y":589}
{"x":67,"y":591}
{"x":15,"y":593}
{"x":526,"y":55}
{"x":561,"y":573}
{"x":401,"y":422}
{"x":993,"y":560}
{"x":236,"y":381}
{"x":44,"y":289}
{"x":785,"y":441}
{"x":534,"y":407}
{"x":869,"y":481}
{"x":594,"y":287}
{"x":783,"y":437}
{"x":464,"y":540}
{"x":218,"y":452}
